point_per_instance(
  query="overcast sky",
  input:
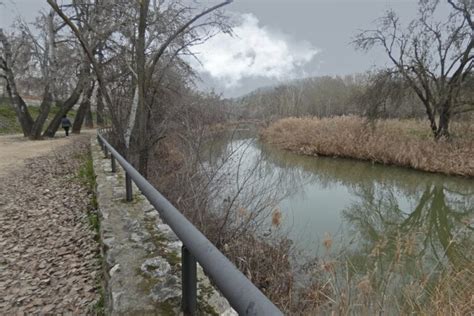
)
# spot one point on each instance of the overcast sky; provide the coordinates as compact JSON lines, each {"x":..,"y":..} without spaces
{"x":276,"y":40}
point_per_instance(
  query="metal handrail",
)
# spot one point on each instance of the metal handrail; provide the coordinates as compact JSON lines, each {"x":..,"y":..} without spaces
{"x":242,"y":294}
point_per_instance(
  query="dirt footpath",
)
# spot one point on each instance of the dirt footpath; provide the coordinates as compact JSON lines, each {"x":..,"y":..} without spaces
{"x":14,"y":149}
{"x":49,"y":259}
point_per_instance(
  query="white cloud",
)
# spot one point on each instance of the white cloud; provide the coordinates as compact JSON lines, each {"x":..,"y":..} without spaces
{"x":253,"y":51}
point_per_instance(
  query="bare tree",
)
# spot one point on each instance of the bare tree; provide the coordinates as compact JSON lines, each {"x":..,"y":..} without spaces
{"x":45,"y":54}
{"x":141,"y":42}
{"x":7,"y":64}
{"x":38,"y":61}
{"x":434,"y":57}
{"x":385,"y":94}
{"x":84,"y":108}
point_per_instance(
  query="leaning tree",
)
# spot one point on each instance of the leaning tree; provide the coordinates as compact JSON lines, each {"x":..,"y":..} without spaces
{"x":434,"y":57}
{"x":35,"y":56}
{"x":139,"y":42}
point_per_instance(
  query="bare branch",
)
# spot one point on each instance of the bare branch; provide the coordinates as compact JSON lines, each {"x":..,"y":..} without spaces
{"x":180,"y":30}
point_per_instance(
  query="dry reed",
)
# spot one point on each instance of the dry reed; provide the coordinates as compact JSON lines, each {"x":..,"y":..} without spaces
{"x":332,"y":284}
{"x":406,"y":143}
{"x":389,"y":281}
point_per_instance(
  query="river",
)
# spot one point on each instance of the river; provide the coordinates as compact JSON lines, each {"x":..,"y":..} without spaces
{"x":352,"y":204}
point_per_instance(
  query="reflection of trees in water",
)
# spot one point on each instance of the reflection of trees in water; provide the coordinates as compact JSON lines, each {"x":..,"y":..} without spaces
{"x":444,"y":214}
{"x":219,"y":146}
{"x":355,"y":174}
{"x":237,"y":155}
{"x":443,"y":202}
{"x":379,"y":187}
{"x":244,"y":189}
{"x":409,"y":227}
{"x":439,"y":221}
{"x":397,"y":248}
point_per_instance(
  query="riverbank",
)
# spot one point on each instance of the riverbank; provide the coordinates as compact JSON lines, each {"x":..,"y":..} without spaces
{"x":379,"y":266}
{"x":406,"y":143}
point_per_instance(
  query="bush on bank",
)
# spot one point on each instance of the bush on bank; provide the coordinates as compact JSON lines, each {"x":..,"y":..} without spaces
{"x":406,"y":143}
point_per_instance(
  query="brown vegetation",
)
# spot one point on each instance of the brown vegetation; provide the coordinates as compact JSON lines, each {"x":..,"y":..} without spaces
{"x":404,"y":143}
{"x":378,"y":278}
{"x":334,"y":282}
{"x":237,"y":230}
{"x":390,"y":279}
{"x":49,"y":255}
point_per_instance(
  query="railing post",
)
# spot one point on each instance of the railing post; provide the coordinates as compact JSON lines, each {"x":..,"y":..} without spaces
{"x":246,"y":300}
{"x":113,"y":165}
{"x":128,"y":187}
{"x":188,"y":282}
{"x":106,"y":152}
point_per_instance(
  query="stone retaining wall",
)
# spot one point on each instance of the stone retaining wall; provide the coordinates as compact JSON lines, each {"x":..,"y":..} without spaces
{"x":142,"y":255}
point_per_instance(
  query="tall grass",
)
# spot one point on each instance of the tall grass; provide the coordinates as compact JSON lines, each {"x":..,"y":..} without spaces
{"x":387,"y":282}
{"x":406,"y":143}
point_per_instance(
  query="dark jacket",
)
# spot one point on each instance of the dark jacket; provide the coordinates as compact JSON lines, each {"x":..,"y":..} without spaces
{"x":65,"y":122}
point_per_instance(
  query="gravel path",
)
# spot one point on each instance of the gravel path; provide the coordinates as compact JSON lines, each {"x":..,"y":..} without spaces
{"x":48,"y":257}
{"x":15,"y":148}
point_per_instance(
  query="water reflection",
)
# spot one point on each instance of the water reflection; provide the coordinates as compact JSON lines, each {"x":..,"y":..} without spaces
{"x":437,"y":227}
{"x":362,"y":201}
{"x":400,"y":230}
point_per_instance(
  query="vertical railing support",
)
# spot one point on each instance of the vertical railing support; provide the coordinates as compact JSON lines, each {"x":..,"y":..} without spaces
{"x":243,"y":296}
{"x":188,"y":282}
{"x":113,"y":165}
{"x":106,"y":152}
{"x":128,"y":187}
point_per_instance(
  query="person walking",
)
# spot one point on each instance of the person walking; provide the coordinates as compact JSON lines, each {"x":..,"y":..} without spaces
{"x":66,"y":124}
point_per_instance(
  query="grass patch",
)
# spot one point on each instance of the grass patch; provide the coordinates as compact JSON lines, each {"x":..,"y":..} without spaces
{"x":406,"y":143}
{"x":99,"y":306}
{"x":8,"y":120}
{"x":160,"y":241}
{"x":87,"y":176}
{"x":169,"y":307}
{"x":173,"y":258}
{"x":86,"y":172}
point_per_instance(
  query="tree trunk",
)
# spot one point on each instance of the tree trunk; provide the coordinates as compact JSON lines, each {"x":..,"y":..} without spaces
{"x":82,"y":111}
{"x":80,"y":115}
{"x":131,"y":118}
{"x":143,"y":162}
{"x":22,"y":114}
{"x":100,"y":109}
{"x":143,"y":112}
{"x":443,"y":125}
{"x":21,"y":110}
{"x":89,"y":120}
{"x":51,"y":68}
{"x":66,"y":106}
{"x":431,"y":117}
{"x":42,"y":115}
